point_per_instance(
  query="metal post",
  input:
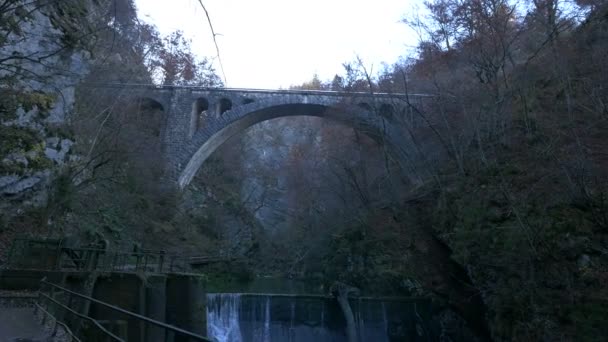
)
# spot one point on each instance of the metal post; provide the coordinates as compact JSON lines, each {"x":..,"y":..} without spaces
{"x":171,"y":264}
{"x":69,"y":300}
{"x":59,"y":252}
{"x":114,"y":261}
{"x":161,"y":260}
{"x":10,"y":253}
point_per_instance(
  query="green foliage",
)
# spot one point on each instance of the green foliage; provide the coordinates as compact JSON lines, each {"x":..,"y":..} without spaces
{"x":39,"y":161}
{"x":25,"y":142}
{"x":590,"y":318}
{"x":17,"y":139}
{"x":369,"y":259}
{"x":11,"y":18}
{"x":225,"y":277}
{"x":11,"y":100}
{"x":42,"y":101}
{"x":70,"y":16}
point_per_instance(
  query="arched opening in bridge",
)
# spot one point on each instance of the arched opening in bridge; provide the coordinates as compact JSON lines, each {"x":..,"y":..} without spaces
{"x":224,"y":105}
{"x":147,"y":114}
{"x":199,"y":115}
{"x":387,"y":110}
{"x":288,"y":170}
{"x":365,"y":106}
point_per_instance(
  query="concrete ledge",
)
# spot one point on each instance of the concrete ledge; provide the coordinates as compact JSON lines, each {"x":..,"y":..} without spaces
{"x":29,"y":280}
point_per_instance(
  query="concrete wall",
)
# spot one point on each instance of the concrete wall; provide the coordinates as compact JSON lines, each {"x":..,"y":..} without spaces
{"x":27,"y":280}
{"x":175,"y":299}
{"x":125,"y":291}
{"x":156,"y":306}
{"x":185,"y":306}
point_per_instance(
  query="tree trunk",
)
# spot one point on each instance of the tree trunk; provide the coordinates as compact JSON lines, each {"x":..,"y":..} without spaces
{"x":341,"y":291}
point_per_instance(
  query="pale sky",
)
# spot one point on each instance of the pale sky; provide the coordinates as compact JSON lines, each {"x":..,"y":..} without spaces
{"x":278,"y":43}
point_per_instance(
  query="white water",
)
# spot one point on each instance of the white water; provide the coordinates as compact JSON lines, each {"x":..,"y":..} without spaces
{"x":223,"y":317}
{"x":232,"y":318}
{"x":267,"y":321}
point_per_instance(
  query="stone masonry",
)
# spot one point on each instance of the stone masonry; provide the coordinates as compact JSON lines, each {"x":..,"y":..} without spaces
{"x":199,"y":120}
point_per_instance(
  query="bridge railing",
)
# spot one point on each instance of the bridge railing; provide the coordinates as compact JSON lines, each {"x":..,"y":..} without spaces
{"x":256,"y":90}
{"x":65,"y":308}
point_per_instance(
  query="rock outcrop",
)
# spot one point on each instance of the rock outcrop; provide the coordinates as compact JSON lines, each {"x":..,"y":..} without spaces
{"x":42,"y":59}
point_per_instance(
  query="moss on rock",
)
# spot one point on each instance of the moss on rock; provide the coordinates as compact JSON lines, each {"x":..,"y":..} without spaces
{"x":15,"y":139}
{"x":11,"y":100}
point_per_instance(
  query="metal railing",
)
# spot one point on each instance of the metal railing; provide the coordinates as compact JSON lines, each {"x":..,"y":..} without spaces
{"x":123,"y":326}
{"x":52,"y":255}
{"x":103,"y":260}
{"x":56,"y":324}
{"x":47,"y":315}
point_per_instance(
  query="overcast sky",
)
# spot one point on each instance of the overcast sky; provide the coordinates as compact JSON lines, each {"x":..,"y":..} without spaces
{"x":278,"y":43}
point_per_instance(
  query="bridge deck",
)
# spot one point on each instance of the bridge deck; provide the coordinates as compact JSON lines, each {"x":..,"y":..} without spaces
{"x":255,"y":90}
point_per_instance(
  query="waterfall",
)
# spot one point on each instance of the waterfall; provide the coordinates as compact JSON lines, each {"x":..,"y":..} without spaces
{"x":384,"y":318}
{"x":233,"y":317}
{"x":292,"y":319}
{"x":372,"y":321}
{"x":223,"y":317}
{"x":323,"y":315}
{"x":267,"y":320}
{"x":360,"y":321}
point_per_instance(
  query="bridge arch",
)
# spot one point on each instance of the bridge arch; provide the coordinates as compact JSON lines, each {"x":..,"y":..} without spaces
{"x":207,"y":140}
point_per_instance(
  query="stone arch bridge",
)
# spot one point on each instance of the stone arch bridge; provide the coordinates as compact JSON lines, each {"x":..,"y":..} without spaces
{"x":198,"y":120}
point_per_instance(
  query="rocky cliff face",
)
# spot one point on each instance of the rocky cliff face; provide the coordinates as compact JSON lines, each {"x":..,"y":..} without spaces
{"x":42,"y":59}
